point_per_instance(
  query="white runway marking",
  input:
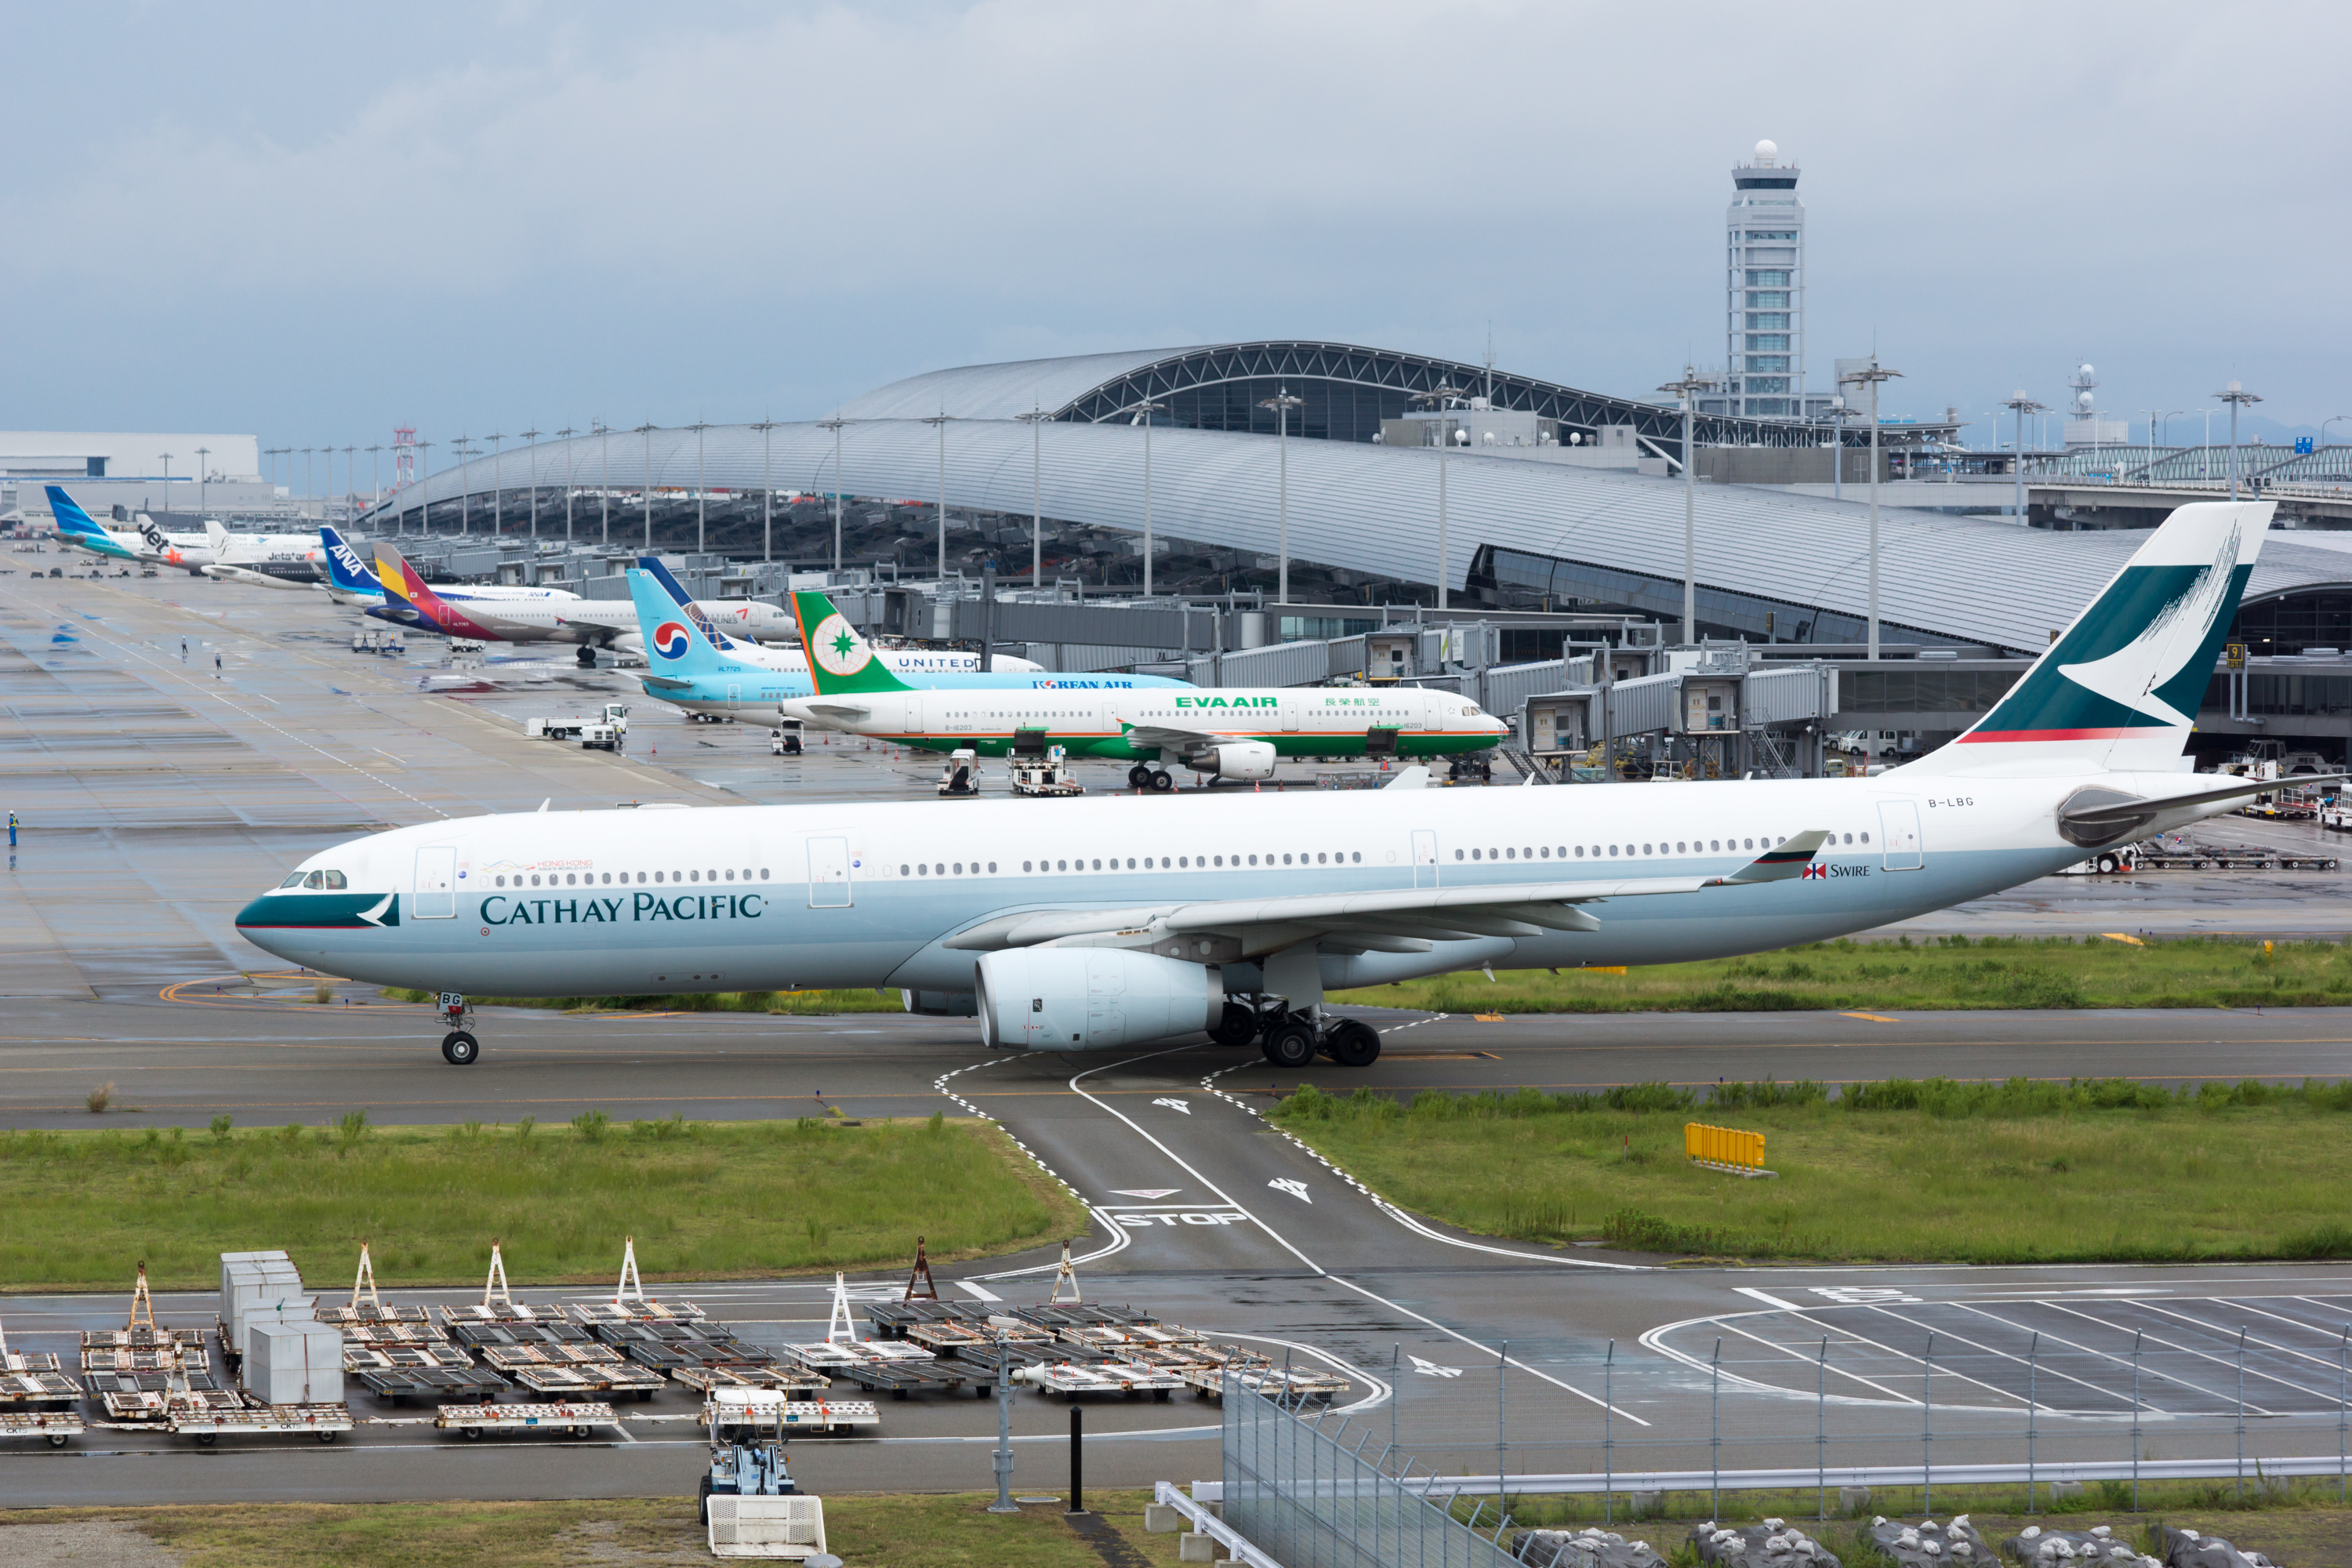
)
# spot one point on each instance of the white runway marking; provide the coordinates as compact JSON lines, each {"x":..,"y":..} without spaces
{"x":1174,"y":1105}
{"x":1430,"y":1369}
{"x":1291,"y":1184}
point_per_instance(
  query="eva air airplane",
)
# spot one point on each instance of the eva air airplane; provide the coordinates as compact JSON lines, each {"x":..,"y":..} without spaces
{"x":1235,"y":733}
{"x":1119,"y":921}
{"x":690,"y":662}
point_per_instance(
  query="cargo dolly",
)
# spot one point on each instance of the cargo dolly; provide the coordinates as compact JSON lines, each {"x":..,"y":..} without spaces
{"x":34,"y":1380}
{"x":894,"y":1319}
{"x":791,"y":1381}
{"x":904,"y":1377}
{"x":58,"y":1426}
{"x":143,"y":1396}
{"x":571,"y":1418}
{"x":731,"y":1412}
{"x":206,"y":1416}
{"x":1130,"y":1379}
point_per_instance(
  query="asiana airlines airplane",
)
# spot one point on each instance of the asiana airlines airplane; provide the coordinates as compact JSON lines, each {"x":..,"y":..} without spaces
{"x":1121,"y":921}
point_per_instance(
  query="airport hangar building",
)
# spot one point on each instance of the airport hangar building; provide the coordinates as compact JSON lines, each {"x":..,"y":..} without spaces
{"x":1554,"y":524}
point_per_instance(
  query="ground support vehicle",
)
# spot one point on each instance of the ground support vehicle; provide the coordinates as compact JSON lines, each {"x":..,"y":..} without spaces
{"x":732,"y":1412}
{"x":569,"y":1418}
{"x":1046,"y":775}
{"x":790,"y":1381}
{"x":1131,"y":1379}
{"x":205,"y":1417}
{"x":58,"y":1427}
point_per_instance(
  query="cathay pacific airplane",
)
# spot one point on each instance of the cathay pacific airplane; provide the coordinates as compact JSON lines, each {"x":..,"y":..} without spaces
{"x":702,"y":669}
{"x":1235,"y":733}
{"x":1121,"y":921}
{"x":591,"y":624}
{"x":350,"y":582}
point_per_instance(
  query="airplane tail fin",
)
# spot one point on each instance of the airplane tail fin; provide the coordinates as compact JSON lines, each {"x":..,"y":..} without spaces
{"x":651,"y":566}
{"x":216,"y":535}
{"x":404,"y":590}
{"x":70,"y":516}
{"x":2120,"y":688}
{"x":677,"y":637}
{"x":344,"y":569}
{"x":839,"y":660}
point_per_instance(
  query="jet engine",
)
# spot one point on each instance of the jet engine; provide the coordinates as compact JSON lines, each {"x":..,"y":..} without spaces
{"x":1235,"y":760}
{"x":1091,"y":998}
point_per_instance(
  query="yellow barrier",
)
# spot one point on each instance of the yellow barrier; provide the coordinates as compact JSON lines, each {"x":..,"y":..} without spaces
{"x":1723,"y":1146}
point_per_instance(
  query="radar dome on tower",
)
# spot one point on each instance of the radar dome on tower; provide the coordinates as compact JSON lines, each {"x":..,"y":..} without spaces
{"x":1766,"y":151}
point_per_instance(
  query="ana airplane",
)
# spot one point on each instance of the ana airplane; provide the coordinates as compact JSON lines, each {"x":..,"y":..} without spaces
{"x":1231,"y":734}
{"x":1121,"y":921}
{"x":78,"y":529}
{"x":702,"y":669}
{"x":350,"y":582}
{"x":591,"y":624}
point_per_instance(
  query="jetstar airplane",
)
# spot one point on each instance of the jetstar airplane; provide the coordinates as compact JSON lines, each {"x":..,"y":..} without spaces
{"x":703,"y":670}
{"x":591,"y":624}
{"x":1231,"y":734}
{"x":296,"y":557}
{"x":1117,"y":922}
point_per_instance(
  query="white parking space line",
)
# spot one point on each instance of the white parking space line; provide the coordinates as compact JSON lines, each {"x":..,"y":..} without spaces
{"x":2251,"y":1339}
{"x":2067,"y":1343}
{"x":2168,"y":1344}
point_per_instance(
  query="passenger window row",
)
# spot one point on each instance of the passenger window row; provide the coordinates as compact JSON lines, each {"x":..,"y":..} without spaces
{"x":1680,"y":846}
{"x":1198,"y":862}
{"x":589,"y":878}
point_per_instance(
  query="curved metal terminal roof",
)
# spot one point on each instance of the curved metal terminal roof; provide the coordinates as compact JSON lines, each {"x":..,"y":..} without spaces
{"x":1102,"y":387}
{"x":1374,"y":509}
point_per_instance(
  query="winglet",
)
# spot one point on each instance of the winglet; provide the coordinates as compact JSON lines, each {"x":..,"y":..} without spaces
{"x":1784,"y":862}
{"x":840,"y":661}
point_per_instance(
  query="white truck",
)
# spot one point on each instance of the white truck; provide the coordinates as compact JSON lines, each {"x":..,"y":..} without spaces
{"x":609,"y":730}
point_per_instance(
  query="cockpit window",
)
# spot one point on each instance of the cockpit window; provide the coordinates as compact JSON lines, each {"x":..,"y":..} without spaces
{"x":336,"y":881}
{"x":315,"y":879}
{"x":294,"y":880}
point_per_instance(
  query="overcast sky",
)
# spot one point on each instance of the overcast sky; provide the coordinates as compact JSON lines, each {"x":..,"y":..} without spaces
{"x":317,"y":222}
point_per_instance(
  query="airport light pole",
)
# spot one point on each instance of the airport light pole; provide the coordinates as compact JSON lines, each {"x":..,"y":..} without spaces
{"x":2022,"y":406}
{"x":835,"y":425}
{"x":203,"y":471}
{"x":1035,"y":419}
{"x":1437,"y":397}
{"x":1837,"y":446}
{"x":646,"y":430}
{"x":1687,"y":390}
{"x":423,"y":500}
{"x":605,"y":478}
{"x":567,"y":433}
{"x":466,"y":455}
{"x":2237,"y":397}
{"x":1143,"y":413}
{"x":1282,"y":403}
{"x":351,"y":475}
{"x":532,"y":436}
{"x":497,"y":486}
{"x":306,"y":479}
{"x":1872,"y":375}
{"x":766,"y":428}
{"x":375,"y":479}
{"x":940,"y":420}
{"x":166,"y":507}
{"x":701,"y":492}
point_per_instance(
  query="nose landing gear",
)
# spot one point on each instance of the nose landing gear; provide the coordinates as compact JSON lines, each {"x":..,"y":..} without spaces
{"x":458,"y":1047}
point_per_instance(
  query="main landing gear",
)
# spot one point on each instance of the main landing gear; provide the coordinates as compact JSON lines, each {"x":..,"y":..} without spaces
{"x":459,"y":1048}
{"x":587,"y":656}
{"x":1144,"y":776}
{"x":1292,"y":1041}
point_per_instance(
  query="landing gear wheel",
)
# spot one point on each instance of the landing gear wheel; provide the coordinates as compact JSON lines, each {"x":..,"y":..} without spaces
{"x":1354,"y":1044}
{"x":1138,"y":777}
{"x":2109,"y":865}
{"x":1161,"y":781}
{"x":1237,"y":1027}
{"x":587,"y":657}
{"x":459,"y":1048}
{"x":1290,"y":1043}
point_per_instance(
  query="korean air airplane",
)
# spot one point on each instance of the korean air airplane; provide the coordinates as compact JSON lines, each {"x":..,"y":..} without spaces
{"x":694,"y":664}
{"x":1121,"y":920}
{"x":1235,"y":733}
{"x":78,"y":529}
{"x":349,"y":582}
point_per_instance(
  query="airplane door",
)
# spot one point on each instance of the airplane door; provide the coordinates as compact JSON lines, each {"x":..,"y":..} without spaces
{"x":734,"y":695}
{"x":1289,"y":711}
{"x":1898,"y":824}
{"x":436,"y":897}
{"x":829,"y":874}
{"x":1425,"y":857}
{"x":914,"y":713}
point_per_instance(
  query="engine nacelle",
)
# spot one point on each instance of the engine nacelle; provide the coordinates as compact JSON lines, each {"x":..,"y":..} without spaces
{"x":1091,"y":998}
{"x":1235,"y":760}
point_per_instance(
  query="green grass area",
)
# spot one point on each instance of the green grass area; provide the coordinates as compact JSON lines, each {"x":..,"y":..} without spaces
{"x":1911,"y":1170}
{"x":704,"y":1200}
{"x":864,"y":1001}
{"x":947,"y":1531}
{"x":1943,"y":972}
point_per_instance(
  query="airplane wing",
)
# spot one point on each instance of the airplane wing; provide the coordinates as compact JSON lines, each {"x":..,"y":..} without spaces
{"x":1403,"y":919}
{"x":1170,"y":740}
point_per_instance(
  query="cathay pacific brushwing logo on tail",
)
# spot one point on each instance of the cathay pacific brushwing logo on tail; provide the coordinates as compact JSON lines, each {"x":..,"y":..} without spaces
{"x":838,"y":649}
{"x":671,"y":641}
{"x":2139,"y":660}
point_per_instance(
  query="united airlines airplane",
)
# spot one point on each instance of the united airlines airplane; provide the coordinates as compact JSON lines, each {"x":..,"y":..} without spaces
{"x":1115,"y":921}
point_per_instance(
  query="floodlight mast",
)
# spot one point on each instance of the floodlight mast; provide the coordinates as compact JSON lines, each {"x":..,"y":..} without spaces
{"x":1282,"y":403}
{"x":203,"y":471}
{"x":940,"y":420}
{"x":1035,"y":420}
{"x":2022,"y":406}
{"x":1871,"y":375}
{"x":1438,"y":397}
{"x":835,"y":425}
{"x":701,"y":492}
{"x":646,"y":430}
{"x":1143,"y":412}
{"x":567,"y":433}
{"x":532,"y":436}
{"x":1687,"y":390}
{"x":766,"y":428}
{"x":2237,"y":397}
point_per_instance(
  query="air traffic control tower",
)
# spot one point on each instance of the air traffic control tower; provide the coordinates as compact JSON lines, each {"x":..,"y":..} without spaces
{"x":1764,"y":332}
